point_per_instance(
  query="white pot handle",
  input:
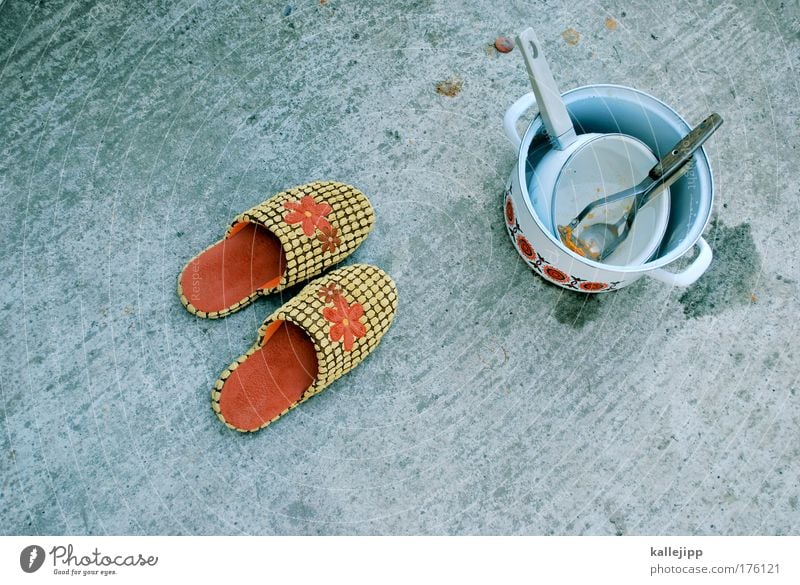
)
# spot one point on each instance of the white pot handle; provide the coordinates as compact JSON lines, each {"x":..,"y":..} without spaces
{"x":694,"y":271}
{"x":512,"y":116}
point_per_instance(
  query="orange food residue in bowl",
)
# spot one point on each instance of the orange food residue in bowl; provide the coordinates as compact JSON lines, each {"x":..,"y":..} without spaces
{"x":569,"y":240}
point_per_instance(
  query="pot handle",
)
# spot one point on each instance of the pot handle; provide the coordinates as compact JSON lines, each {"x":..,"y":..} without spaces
{"x":512,"y":116}
{"x":694,"y":271}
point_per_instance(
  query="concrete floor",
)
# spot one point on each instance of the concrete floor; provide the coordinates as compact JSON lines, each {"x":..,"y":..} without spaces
{"x":497,"y":403}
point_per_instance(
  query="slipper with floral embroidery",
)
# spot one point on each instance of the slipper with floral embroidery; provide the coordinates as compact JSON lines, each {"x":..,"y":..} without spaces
{"x":289,"y":238}
{"x":307,"y":344}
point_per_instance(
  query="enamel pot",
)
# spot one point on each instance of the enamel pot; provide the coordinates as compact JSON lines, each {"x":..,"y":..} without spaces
{"x":607,"y":109}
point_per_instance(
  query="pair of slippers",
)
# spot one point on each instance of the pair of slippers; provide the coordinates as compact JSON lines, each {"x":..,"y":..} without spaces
{"x":322,"y":333}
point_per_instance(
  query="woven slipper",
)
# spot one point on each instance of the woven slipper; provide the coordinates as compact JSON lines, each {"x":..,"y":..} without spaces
{"x":289,"y":238}
{"x":303,"y":347}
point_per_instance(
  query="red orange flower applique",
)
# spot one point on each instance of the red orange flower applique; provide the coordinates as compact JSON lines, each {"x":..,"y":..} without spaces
{"x":345,"y":319}
{"x":310,"y":214}
{"x":330,"y":293}
{"x":330,"y":238}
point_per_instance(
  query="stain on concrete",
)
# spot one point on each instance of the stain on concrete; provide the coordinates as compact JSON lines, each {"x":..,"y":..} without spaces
{"x":434,"y":38}
{"x":450,"y":87}
{"x":618,"y":522}
{"x":616,"y":519}
{"x":732,"y":277}
{"x":425,"y":402}
{"x":299,"y":510}
{"x":571,"y":36}
{"x":771,"y":360}
{"x":577,"y":309}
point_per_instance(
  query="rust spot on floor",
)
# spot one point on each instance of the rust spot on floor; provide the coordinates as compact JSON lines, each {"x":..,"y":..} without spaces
{"x":571,"y":36}
{"x":611,"y":24}
{"x":450,"y":87}
{"x":504,"y":44}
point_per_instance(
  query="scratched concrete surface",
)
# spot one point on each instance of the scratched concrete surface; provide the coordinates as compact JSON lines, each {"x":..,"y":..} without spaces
{"x":133,"y":132}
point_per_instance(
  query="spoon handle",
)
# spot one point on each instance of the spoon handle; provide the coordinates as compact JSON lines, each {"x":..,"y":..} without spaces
{"x":554,"y":113}
{"x":684,"y":150}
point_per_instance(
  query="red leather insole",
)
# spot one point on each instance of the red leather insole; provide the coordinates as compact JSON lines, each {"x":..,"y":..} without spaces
{"x":271,"y":379}
{"x":233,"y":268}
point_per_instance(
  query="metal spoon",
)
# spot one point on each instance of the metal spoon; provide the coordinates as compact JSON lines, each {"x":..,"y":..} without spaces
{"x":599,"y":240}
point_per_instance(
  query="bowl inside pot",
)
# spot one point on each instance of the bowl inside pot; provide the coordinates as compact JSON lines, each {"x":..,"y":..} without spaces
{"x":617,"y":109}
{"x":604,"y":166}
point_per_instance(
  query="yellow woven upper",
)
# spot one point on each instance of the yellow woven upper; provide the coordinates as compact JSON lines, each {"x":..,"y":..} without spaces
{"x":351,"y":217}
{"x":360,"y":284}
